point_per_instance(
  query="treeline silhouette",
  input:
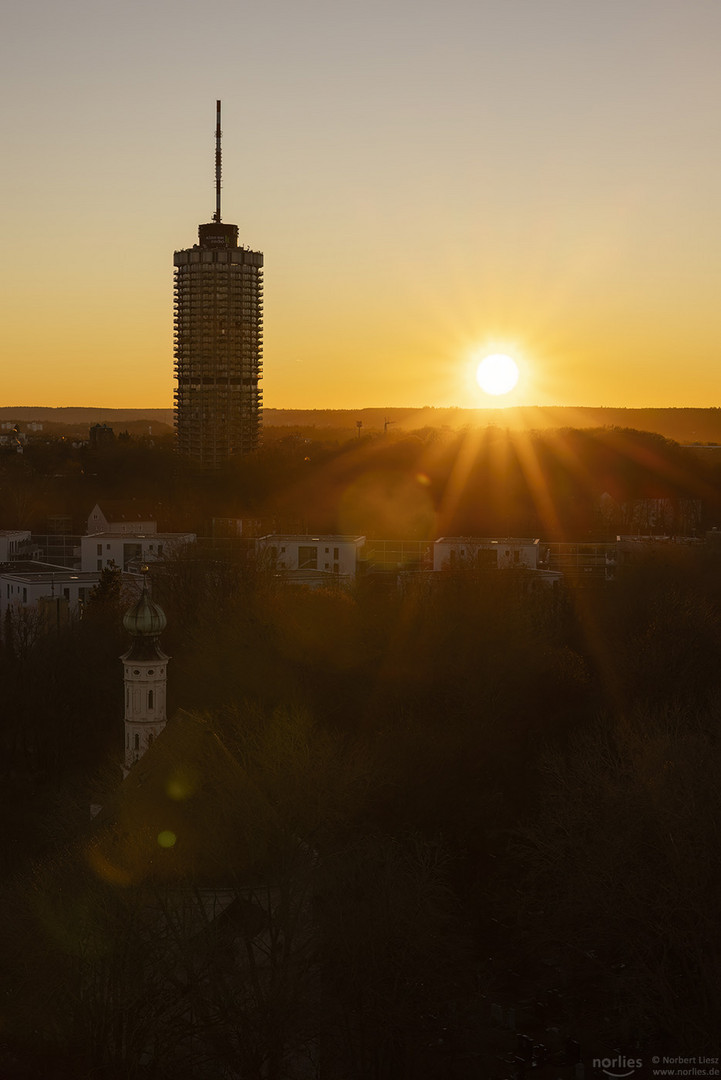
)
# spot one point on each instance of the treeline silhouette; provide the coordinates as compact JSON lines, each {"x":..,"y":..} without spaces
{"x":687,"y":425}
{"x":566,"y":484}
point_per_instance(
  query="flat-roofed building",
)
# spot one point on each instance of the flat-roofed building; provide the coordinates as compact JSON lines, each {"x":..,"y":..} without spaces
{"x":29,"y":588}
{"x":313,"y":559}
{"x":15,"y":544}
{"x":123,"y":549}
{"x":583,"y":563}
{"x":491,"y":553}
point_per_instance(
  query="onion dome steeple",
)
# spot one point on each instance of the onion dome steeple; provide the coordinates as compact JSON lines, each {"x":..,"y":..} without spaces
{"x":145,"y":618}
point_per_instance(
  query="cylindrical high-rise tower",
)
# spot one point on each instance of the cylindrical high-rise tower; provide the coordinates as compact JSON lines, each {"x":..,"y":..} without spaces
{"x":218,"y":341}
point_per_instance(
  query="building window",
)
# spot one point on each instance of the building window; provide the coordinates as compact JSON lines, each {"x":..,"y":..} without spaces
{"x":100,"y":564}
{"x":100,"y":549}
{"x":136,"y":742}
{"x":25,"y":596}
{"x":130,"y":552}
{"x":151,"y":697}
{"x":335,"y":553}
{"x":307,"y":558}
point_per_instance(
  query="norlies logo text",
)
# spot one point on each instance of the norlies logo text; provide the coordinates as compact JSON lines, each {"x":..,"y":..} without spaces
{"x":617,"y":1066}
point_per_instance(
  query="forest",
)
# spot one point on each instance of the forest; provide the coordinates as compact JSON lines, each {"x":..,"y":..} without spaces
{"x":480,"y":822}
{"x":398,"y":485}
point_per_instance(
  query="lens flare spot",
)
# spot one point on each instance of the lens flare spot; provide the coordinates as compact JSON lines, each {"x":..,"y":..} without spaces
{"x":167,"y":838}
{"x":181,"y":785}
{"x":387,"y":503}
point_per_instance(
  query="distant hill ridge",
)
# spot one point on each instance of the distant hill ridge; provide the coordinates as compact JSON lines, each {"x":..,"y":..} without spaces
{"x":681,"y":424}
{"x":77,"y":415}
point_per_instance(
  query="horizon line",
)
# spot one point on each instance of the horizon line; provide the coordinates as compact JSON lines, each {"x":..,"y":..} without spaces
{"x":365,"y":408}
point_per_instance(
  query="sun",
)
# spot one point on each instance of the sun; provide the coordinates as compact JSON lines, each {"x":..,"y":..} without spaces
{"x":497,"y":374}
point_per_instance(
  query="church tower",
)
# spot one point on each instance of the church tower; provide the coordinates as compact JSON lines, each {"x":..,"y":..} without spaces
{"x":145,"y":676}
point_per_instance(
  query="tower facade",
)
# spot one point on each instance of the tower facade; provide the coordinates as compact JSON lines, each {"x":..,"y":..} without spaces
{"x":145,"y":667}
{"x":218,"y":341}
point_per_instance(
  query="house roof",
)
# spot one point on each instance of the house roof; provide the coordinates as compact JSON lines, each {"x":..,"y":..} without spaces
{"x":479,"y":541}
{"x":24,"y":567}
{"x":312,"y":538}
{"x":187,"y":811}
{"x":61,"y":576}
{"x":123,"y":510}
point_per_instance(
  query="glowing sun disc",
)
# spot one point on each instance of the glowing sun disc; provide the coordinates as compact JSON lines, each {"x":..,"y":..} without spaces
{"x":497,"y":374}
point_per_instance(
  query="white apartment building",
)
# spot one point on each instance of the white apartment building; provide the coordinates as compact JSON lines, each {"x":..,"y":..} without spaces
{"x":114,"y":516}
{"x":313,"y":559}
{"x":14,"y":544}
{"x":28,"y":589}
{"x":476,"y":553}
{"x":121,"y":549}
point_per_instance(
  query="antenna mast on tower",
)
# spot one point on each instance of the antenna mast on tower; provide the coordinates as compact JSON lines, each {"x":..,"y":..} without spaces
{"x":218,"y":162}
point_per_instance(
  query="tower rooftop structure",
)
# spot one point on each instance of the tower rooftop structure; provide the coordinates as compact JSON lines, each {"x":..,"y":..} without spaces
{"x":218,"y":340}
{"x":145,"y":619}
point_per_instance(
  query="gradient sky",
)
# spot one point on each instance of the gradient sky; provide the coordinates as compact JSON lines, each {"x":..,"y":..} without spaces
{"x":427,"y":181}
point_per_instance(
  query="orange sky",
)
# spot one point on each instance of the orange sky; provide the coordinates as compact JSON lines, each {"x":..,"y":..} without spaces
{"x":427,"y":182}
